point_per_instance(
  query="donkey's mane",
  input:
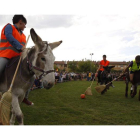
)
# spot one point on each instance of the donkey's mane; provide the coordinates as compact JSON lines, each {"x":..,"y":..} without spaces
{"x":24,"y":53}
{"x":27,"y":51}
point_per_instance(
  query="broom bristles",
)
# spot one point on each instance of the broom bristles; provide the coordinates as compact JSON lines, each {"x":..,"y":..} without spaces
{"x":88,"y":91}
{"x":100,"y":88}
{"x":5,"y":106}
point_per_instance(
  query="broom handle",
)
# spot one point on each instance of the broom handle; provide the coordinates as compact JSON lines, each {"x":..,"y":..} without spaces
{"x":17,"y":67}
{"x":92,"y":81}
{"x":114,"y":80}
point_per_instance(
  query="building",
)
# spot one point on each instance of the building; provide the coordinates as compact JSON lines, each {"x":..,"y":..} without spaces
{"x":119,"y":65}
{"x":61,"y":65}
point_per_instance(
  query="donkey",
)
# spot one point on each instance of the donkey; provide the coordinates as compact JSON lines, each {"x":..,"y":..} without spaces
{"x":136,"y":81}
{"x":104,"y":75}
{"x":39,"y":61}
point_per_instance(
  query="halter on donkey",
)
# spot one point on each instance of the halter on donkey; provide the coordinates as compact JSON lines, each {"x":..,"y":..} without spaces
{"x":39,"y":61}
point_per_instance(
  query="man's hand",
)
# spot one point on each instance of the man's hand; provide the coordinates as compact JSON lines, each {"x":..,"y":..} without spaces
{"x":122,"y":73}
{"x":22,"y":48}
{"x":96,"y":74}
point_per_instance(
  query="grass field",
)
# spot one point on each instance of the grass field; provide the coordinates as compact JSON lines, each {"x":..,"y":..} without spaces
{"x":62,"y":105}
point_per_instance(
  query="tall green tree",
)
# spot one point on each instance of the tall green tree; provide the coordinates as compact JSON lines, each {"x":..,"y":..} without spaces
{"x":84,"y":66}
{"x":72,"y":65}
{"x":56,"y":67}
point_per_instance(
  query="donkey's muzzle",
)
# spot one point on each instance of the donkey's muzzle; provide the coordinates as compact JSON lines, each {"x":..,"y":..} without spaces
{"x":47,"y":85}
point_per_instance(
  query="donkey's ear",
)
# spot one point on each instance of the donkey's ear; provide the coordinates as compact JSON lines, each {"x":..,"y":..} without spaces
{"x":36,"y":39}
{"x":105,"y":67}
{"x":111,"y":67}
{"x":55,"y":44}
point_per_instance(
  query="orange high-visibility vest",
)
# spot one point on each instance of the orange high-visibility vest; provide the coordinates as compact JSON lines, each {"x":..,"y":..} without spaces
{"x":6,"y":49}
{"x":103,"y":63}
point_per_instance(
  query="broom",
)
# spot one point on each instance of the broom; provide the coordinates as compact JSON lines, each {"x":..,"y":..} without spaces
{"x":5,"y":103}
{"x":88,"y":91}
{"x":103,"y":88}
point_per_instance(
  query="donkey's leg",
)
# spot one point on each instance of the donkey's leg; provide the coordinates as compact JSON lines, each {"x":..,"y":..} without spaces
{"x":131,"y":89}
{"x":12,"y":120}
{"x":126,"y":89}
{"x":17,"y":110}
{"x":134,"y":91}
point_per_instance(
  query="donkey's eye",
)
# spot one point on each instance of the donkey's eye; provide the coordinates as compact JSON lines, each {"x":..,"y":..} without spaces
{"x":43,"y":59}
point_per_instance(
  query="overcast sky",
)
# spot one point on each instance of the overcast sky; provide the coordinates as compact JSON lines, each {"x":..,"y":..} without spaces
{"x":116,"y":35}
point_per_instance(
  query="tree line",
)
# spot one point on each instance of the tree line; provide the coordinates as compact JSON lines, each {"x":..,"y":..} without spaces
{"x":80,"y":66}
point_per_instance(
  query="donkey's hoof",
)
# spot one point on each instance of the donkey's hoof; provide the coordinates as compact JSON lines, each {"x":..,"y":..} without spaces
{"x":132,"y":95}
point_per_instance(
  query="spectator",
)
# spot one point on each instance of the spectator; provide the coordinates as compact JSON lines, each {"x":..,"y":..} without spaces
{"x":56,"y":76}
{"x":37,"y":84}
{"x":89,"y":76}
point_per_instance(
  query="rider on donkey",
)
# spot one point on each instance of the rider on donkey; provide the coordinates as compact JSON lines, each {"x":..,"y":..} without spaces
{"x":12,"y":43}
{"x":133,"y":67}
{"x":103,"y":62}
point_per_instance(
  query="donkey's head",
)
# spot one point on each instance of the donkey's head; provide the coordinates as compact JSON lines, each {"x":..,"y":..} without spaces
{"x":107,"y":69}
{"x":43,"y":59}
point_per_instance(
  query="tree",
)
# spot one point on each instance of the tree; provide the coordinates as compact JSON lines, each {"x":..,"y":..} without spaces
{"x":72,"y":66}
{"x":56,"y":67}
{"x":84,"y":66}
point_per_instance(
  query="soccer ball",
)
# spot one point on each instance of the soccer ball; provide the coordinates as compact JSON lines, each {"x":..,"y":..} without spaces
{"x":83,"y":96}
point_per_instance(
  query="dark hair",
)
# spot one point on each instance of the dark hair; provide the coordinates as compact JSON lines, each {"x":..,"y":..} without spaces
{"x":16,"y":19}
{"x":137,"y":58}
{"x":104,"y":55}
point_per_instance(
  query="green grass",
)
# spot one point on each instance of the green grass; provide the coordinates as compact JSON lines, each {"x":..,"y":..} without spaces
{"x":62,"y":105}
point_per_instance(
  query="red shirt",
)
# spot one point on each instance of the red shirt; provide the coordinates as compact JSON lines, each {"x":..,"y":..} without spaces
{"x":103,"y":63}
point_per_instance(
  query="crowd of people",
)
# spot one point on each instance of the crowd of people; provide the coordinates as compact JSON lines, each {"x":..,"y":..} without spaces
{"x":67,"y":76}
{"x":89,"y":76}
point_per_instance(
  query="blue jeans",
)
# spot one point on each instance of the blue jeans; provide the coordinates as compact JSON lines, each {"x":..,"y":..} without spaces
{"x":3,"y":62}
{"x":89,"y":78}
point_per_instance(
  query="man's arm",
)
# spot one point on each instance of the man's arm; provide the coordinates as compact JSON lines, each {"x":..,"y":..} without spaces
{"x":96,"y":74}
{"x":98,"y":68}
{"x":126,"y":69}
{"x":130,"y":65}
{"x":11,"y":39}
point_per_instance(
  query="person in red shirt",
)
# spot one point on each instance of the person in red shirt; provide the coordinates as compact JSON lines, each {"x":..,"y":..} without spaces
{"x":103,"y":62}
